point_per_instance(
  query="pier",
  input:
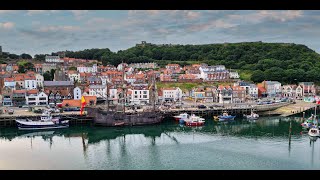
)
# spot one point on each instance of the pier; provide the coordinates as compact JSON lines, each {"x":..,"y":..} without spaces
{"x":74,"y":118}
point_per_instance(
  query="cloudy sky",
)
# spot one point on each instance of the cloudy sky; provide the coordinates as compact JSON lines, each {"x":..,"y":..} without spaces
{"x":46,"y":31}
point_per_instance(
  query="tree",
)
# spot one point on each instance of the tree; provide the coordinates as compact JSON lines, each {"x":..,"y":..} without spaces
{"x":47,"y":76}
{"x":25,"y":66}
{"x":40,"y":57}
{"x":25,"y":56}
{"x":258,"y":76}
{"x":52,"y":71}
{"x":72,"y":68}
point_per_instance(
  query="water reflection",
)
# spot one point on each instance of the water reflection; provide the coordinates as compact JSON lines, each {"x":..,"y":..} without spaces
{"x":149,"y":146}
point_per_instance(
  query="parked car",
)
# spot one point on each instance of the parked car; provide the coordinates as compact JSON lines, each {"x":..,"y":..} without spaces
{"x":10,"y":111}
{"x":202,"y":106}
{"x":37,"y":111}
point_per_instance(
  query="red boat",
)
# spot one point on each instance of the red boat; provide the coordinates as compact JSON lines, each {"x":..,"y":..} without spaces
{"x":194,"y":121}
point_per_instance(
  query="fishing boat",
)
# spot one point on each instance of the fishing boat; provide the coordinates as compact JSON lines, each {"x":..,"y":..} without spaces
{"x":181,"y":116}
{"x":46,"y":122}
{"x":226,"y":117}
{"x":314,"y":132}
{"x":252,"y":116}
{"x":194,"y":120}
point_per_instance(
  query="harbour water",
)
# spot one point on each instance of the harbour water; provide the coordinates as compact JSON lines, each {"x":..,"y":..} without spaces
{"x":264,"y":144}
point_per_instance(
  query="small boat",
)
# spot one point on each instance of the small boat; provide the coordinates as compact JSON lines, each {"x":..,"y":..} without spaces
{"x":314,"y":132}
{"x":181,"y":116}
{"x":194,"y":120}
{"x":252,"y":116}
{"x":46,"y":122}
{"x":226,"y":117}
{"x":215,"y":118}
{"x":309,"y":123}
{"x":119,"y":124}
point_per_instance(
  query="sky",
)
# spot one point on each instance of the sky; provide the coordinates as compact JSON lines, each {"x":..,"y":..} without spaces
{"x":46,"y":31}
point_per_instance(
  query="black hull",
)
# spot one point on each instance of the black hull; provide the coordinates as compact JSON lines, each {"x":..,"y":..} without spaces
{"x":110,"y":118}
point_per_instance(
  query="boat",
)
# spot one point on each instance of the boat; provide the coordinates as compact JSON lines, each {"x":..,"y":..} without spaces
{"x":181,"y":116}
{"x":46,"y":122}
{"x":226,"y":117}
{"x":215,"y":118}
{"x":308,"y":124}
{"x":194,"y":120}
{"x":314,"y":132}
{"x":252,"y":116}
{"x":106,"y":116}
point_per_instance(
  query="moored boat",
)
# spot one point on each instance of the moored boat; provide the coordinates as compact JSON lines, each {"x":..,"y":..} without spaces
{"x":226,"y":117}
{"x":252,"y":116}
{"x":314,"y":132}
{"x":181,"y":116}
{"x":194,"y":120}
{"x":46,"y":122}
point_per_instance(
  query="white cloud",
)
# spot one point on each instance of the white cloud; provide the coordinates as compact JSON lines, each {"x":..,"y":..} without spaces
{"x":192,"y":15}
{"x":59,"y":28}
{"x":262,"y":15}
{"x":98,"y":21}
{"x":78,"y":14}
{"x":211,"y":25}
{"x":7,"y":25}
{"x":34,"y":12}
{"x":7,"y":11}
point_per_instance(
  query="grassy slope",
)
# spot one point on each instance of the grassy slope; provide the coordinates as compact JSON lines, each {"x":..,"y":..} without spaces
{"x":186,"y":86}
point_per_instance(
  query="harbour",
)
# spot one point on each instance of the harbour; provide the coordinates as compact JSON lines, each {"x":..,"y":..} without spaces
{"x":268,"y":143}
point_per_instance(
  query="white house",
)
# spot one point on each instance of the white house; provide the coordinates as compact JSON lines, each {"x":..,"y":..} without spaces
{"x":234,"y":75}
{"x":253,"y":91}
{"x":53,"y":59}
{"x":74,"y":76}
{"x":140,"y":95}
{"x":30,"y":82}
{"x":293,"y":91}
{"x":171,"y":94}
{"x":10,"y":82}
{"x":98,"y":90}
{"x":86,"y":69}
{"x":39,"y":80}
{"x":273,"y":88}
{"x":77,"y":93}
{"x":37,"y":99}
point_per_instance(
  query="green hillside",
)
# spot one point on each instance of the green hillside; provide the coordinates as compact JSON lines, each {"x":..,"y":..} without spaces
{"x":257,"y":61}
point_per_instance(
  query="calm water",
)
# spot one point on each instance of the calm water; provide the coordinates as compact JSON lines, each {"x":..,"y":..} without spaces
{"x":263,"y":144}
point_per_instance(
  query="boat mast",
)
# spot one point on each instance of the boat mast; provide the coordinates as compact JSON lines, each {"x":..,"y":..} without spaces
{"x":123,"y":90}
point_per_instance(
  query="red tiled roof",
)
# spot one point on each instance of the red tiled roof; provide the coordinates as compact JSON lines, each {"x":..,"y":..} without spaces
{"x":71,"y":102}
{"x":22,"y":91}
{"x":8,"y":79}
{"x":32,"y":91}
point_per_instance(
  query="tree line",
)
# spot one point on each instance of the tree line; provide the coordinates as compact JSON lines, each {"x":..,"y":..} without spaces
{"x":284,"y":62}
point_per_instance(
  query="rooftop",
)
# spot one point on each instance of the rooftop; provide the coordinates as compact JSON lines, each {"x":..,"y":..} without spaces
{"x":58,"y":83}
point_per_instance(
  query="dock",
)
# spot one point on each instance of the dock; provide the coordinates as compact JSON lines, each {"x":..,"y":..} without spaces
{"x":293,"y":109}
{"x":7,"y":120}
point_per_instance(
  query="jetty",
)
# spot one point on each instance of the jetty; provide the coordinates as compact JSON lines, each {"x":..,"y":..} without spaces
{"x":7,"y":120}
{"x":293,"y":109}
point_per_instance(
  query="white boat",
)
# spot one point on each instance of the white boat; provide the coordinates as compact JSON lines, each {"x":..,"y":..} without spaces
{"x":181,"y":116}
{"x":314,"y":132}
{"x":46,"y":122}
{"x":194,"y":120}
{"x":252,"y":116}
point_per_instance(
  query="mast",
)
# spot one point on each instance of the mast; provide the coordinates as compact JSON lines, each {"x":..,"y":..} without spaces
{"x":123,"y":90}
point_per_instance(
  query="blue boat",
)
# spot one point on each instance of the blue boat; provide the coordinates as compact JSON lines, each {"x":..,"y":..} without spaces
{"x":226,"y":117}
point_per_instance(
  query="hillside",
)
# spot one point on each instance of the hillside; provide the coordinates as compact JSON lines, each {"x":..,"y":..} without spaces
{"x":260,"y":61}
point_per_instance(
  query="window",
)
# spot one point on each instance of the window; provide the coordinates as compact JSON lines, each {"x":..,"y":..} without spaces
{"x":42,"y":98}
{"x":135,"y":96}
{"x":32,"y":99}
{"x":135,"y":92}
{"x":144,"y":92}
{"x":144,"y":96}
